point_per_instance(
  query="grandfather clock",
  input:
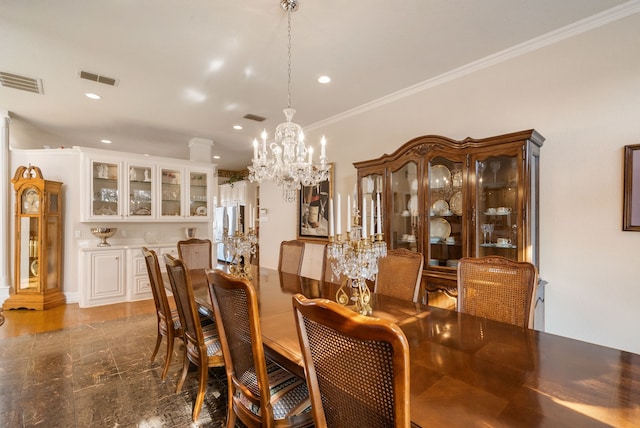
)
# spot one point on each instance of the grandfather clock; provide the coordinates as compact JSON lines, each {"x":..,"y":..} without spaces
{"x":38,"y":241}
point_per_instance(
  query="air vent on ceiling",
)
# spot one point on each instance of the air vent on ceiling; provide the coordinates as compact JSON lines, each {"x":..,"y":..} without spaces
{"x":254,"y":117}
{"x":22,"y":83}
{"x":98,"y":78}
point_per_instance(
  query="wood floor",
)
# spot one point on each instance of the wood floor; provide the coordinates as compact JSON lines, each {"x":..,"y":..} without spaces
{"x":19,"y":322}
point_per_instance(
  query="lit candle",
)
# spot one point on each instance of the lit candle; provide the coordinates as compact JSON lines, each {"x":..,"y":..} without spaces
{"x":330,"y":216}
{"x":323,"y":149}
{"x":310,"y":154}
{"x":339,"y":214}
{"x":372,"y":219}
{"x":364,"y":219}
{"x":264,"y":142}
{"x":250,"y":216}
{"x":355,"y":198}
{"x":255,"y":149}
{"x":348,"y":213}
{"x":379,"y":231}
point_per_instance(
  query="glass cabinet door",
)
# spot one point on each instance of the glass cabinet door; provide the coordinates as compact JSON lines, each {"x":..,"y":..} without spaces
{"x":29,"y":253}
{"x":171,"y":192}
{"x":105,"y":189}
{"x":140,"y":192}
{"x":445,"y":198}
{"x":198,"y":191}
{"x":497,"y":206}
{"x":405,"y":207}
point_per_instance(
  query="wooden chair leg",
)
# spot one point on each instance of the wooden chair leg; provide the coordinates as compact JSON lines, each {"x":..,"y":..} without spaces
{"x":185,"y":369}
{"x":231,"y":415}
{"x":167,"y":360}
{"x":158,"y":341}
{"x":202,"y":387}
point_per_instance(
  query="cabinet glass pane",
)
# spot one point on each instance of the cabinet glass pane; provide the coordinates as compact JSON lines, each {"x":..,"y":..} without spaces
{"x":52,"y":252}
{"x":105,"y":189}
{"x":405,"y":209}
{"x":29,"y":253}
{"x":497,"y":205}
{"x":445,"y":198}
{"x":198,"y":194}
{"x":371,"y":191}
{"x":171,"y":197}
{"x":140,"y":191}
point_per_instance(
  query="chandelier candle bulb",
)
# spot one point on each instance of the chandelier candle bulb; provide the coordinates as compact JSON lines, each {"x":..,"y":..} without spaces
{"x":310,"y":154}
{"x":371,"y":231}
{"x":338,"y":229}
{"x":255,"y":149}
{"x":379,"y":231}
{"x":330,"y":216}
{"x":364,"y":219}
{"x":348,"y":213}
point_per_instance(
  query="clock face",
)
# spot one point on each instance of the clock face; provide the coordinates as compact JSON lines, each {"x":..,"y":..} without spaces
{"x":31,"y":201}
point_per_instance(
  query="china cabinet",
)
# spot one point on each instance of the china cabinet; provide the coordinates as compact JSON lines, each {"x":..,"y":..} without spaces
{"x":144,"y":190}
{"x":104,"y":277}
{"x":38,"y":241}
{"x":138,"y":285}
{"x":450,"y":199}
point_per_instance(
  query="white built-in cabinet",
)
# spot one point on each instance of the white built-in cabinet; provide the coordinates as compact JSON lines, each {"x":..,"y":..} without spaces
{"x":238,"y":192}
{"x":144,"y":190}
{"x":114,"y":275}
{"x":104,"y":277}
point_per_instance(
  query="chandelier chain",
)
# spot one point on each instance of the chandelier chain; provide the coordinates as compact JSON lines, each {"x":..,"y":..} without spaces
{"x":289,"y":63}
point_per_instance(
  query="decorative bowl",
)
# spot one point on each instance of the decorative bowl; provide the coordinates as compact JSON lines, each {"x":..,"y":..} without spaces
{"x":103,"y":233}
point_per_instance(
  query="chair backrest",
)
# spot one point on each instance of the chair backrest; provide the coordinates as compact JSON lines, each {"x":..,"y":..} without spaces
{"x":362,"y":378}
{"x":235,"y":305}
{"x":157,"y":284}
{"x":195,"y":253}
{"x":182,"y":290}
{"x":291,"y":253}
{"x":400,"y":274}
{"x":327,"y":272}
{"x":497,"y":288}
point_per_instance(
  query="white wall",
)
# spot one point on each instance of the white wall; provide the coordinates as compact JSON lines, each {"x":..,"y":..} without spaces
{"x":583,"y":95}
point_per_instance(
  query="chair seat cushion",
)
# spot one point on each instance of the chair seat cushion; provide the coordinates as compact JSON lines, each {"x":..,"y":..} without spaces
{"x":211,"y":341}
{"x":289,"y":394}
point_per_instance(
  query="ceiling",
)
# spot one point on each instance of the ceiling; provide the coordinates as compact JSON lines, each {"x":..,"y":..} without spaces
{"x":194,"y":68}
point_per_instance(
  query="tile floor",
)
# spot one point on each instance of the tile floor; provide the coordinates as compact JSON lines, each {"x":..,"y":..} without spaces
{"x":100,"y":375}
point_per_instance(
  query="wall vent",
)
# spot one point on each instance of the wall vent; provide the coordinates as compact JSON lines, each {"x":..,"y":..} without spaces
{"x":254,"y":117}
{"x":22,"y":83}
{"x":98,"y":78}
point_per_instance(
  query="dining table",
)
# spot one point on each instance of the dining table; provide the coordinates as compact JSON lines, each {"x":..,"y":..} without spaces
{"x":468,"y":371}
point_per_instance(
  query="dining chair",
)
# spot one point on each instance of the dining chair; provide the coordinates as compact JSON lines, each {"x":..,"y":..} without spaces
{"x":497,"y":288}
{"x":400,"y":274}
{"x":261,"y":393}
{"x":202,"y":345}
{"x":357,"y":367}
{"x":169,"y":325}
{"x":291,"y":254}
{"x":327,"y":275}
{"x":197,"y":256}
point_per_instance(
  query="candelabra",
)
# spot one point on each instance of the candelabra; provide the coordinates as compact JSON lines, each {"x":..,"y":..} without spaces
{"x":239,"y":248}
{"x":356,"y":257}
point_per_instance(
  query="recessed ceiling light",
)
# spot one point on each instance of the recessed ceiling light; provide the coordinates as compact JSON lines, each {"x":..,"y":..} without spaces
{"x":237,"y":127}
{"x":106,"y":141}
{"x":92,"y":96}
{"x":324,"y":79}
{"x":216,"y":157}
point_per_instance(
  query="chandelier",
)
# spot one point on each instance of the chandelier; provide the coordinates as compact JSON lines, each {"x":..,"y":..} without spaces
{"x":290,"y":162}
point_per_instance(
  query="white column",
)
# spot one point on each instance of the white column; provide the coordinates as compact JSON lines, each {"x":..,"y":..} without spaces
{"x":5,"y":198}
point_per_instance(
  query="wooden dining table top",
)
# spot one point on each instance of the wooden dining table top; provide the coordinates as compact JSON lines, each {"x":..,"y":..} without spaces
{"x":468,"y":371}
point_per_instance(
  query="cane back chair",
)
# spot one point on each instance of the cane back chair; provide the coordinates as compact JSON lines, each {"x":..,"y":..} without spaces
{"x":169,"y":325}
{"x":400,"y":274}
{"x":197,"y":256}
{"x":497,"y":288}
{"x":357,"y":367}
{"x":202,"y":346}
{"x":284,"y":402}
{"x":291,"y":254}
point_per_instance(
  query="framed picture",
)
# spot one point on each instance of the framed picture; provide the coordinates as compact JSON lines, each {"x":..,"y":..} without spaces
{"x":631,"y":205}
{"x":313,"y":210}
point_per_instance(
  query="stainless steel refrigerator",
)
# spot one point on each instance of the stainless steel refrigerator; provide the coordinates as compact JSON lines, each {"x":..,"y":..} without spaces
{"x":228,"y":219}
